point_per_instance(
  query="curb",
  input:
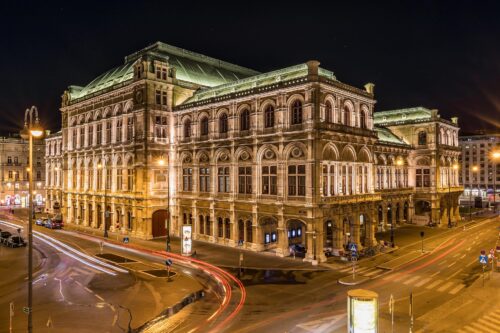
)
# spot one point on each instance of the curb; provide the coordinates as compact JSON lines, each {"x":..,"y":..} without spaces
{"x":171,"y":310}
{"x":358,"y":280}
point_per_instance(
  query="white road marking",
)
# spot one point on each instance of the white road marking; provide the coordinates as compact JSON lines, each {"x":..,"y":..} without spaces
{"x":433,"y":275}
{"x":410,"y":280}
{"x":99,"y":297}
{"x":453,"y":263}
{"x":462,"y":256}
{"x":487,"y":323}
{"x":422,"y":282}
{"x":433,"y":284}
{"x":445,"y":286}
{"x":480,"y":328}
{"x":468,"y":249}
{"x":457,"y":289}
{"x":374,"y":272}
{"x":455,"y":255}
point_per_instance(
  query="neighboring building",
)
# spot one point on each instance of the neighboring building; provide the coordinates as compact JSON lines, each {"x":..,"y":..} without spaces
{"x":434,"y":161}
{"x":263,"y":161}
{"x":14,"y":153}
{"x":54,"y":172}
{"x":477,"y":152}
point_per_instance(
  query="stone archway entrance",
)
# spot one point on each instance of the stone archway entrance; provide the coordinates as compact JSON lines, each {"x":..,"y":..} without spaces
{"x":269,"y":229}
{"x":158,"y":223}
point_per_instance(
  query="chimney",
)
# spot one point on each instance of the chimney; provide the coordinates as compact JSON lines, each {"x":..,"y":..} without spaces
{"x":312,"y":69}
{"x":369,"y":87}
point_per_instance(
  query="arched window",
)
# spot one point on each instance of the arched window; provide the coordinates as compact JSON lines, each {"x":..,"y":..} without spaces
{"x":328,"y":112}
{"x":422,"y":138}
{"x":204,"y":126}
{"x":297,"y":112}
{"x":269,"y":117}
{"x":347,"y":116}
{"x":245,"y":120}
{"x":187,"y":128}
{"x":223,"y":126}
{"x":362,"y":119}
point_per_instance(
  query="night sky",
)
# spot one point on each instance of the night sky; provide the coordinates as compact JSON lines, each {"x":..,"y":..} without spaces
{"x":443,"y":55}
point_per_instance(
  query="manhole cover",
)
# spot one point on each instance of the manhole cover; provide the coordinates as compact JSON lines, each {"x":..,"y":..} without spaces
{"x":159,"y":272}
{"x":114,"y":258}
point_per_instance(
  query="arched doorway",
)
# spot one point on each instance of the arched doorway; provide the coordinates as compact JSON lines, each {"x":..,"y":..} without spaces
{"x":347,"y":228}
{"x":295,"y":231}
{"x":329,"y":233}
{"x":241,"y":232}
{"x":99,"y":216}
{"x":398,"y":212}
{"x":422,"y":207}
{"x":159,"y":219}
{"x":363,"y":229}
{"x":405,"y":211}
{"x":269,"y":228}
{"x":249,"y":232}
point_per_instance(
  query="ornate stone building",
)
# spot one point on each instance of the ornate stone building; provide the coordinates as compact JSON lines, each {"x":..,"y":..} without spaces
{"x":53,"y":172}
{"x":255,"y":160}
{"x":14,"y":173}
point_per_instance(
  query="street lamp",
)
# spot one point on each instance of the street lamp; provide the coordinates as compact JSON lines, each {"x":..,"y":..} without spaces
{"x":32,"y":129}
{"x":161,"y":162}
{"x":455,"y":167}
{"x":474,"y":169}
{"x":106,"y":213}
{"x":495,"y":156}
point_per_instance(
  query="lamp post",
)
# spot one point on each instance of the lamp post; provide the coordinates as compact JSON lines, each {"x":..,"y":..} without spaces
{"x":495,"y":156}
{"x":455,"y":167}
{"x":32,"y":129}
{"x":474,"y":169}
{"x":106,"y":213}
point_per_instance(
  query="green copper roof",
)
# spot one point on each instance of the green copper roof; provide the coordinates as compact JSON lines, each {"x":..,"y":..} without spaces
{"x":257,"y":81}
{"x":385,"y":135}
{"x":402,"y":115}
{"x":190,"y":67}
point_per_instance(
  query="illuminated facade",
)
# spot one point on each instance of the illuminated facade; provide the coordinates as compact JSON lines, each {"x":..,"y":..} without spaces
{"x":261,"y":161}
{"x":53,"y":172}
{"x":13,"y":170}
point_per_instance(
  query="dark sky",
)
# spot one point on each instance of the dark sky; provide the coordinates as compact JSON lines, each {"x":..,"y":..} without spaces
{"x":438,"y":54}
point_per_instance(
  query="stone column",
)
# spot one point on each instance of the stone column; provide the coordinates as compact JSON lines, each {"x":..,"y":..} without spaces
{"x":282,"y":249}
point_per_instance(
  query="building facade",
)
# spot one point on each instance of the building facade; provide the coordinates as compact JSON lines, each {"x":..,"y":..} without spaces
{"x":14,"y":184}
{"x":480,"y":171}
{"x":261,"y":161}
{"x":54,"y":172}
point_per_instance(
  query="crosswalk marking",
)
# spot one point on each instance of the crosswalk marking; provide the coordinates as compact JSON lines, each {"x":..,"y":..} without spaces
{"x":422,"y":282}
{"x":487,"y":323}
{"x":410,"y":280}
{"x":470,"y":329}
{"x":445,"y":286}
{"x":457,"y":289}
{"x":433,"y":284}
{"x":373,"y":272}
{"x":398,"y":277}
{"x":481,"y":328}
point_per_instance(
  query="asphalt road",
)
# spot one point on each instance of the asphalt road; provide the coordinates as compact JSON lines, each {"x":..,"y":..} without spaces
{"x":305,"y":301}
{"x":302,"y":299}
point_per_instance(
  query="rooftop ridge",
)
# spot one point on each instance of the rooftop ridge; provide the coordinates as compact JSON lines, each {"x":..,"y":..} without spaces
{"x":161,"y":46}
{"x":415,"y":108}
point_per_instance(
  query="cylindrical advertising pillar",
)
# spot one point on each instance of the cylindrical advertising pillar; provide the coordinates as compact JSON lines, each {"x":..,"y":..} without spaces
{"x":362,"y":311}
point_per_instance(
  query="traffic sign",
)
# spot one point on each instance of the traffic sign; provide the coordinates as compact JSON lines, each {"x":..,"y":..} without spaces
{"x":353,"y":247}
{"x":492,"y":252}
{"x":26,"y":309}
{"x":168,"y":262}
{"x":483,"y":259}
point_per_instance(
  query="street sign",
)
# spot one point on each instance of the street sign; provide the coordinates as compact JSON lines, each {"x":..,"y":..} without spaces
{"x":353,"y":247}
{"x":483,"y":259}
{"x":125,"y":240}
{"x":26,"y":309}
{"x":168,"y":262}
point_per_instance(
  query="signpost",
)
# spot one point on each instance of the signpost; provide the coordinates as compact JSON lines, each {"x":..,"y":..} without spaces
{"x":411,"y":312}
{"x":483,"y":260}
{"x":391,"y":311}
{"x":187,"y":242}
{"x":422,"y":234}
{"x":169,"y":263}
{"x":11,"y":316}
{"x":354,"y":257}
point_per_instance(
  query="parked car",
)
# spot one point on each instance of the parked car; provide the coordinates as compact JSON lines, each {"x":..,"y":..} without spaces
{"x":15,"y":241}
{"x":4,"y":235}
{"x":41,"y":221}
{"x":54,"y":224}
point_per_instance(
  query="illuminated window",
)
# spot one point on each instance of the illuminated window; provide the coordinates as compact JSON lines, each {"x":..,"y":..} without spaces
{"x":297,"y":180}
{"x":296,"y":112}
{"x":269,"y":117}
{"x":187,"y":179}
{"x":245,"y":180}
{"x":223,"y":177}
{"x":269,"y":180}
{"x":204,"y":179}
